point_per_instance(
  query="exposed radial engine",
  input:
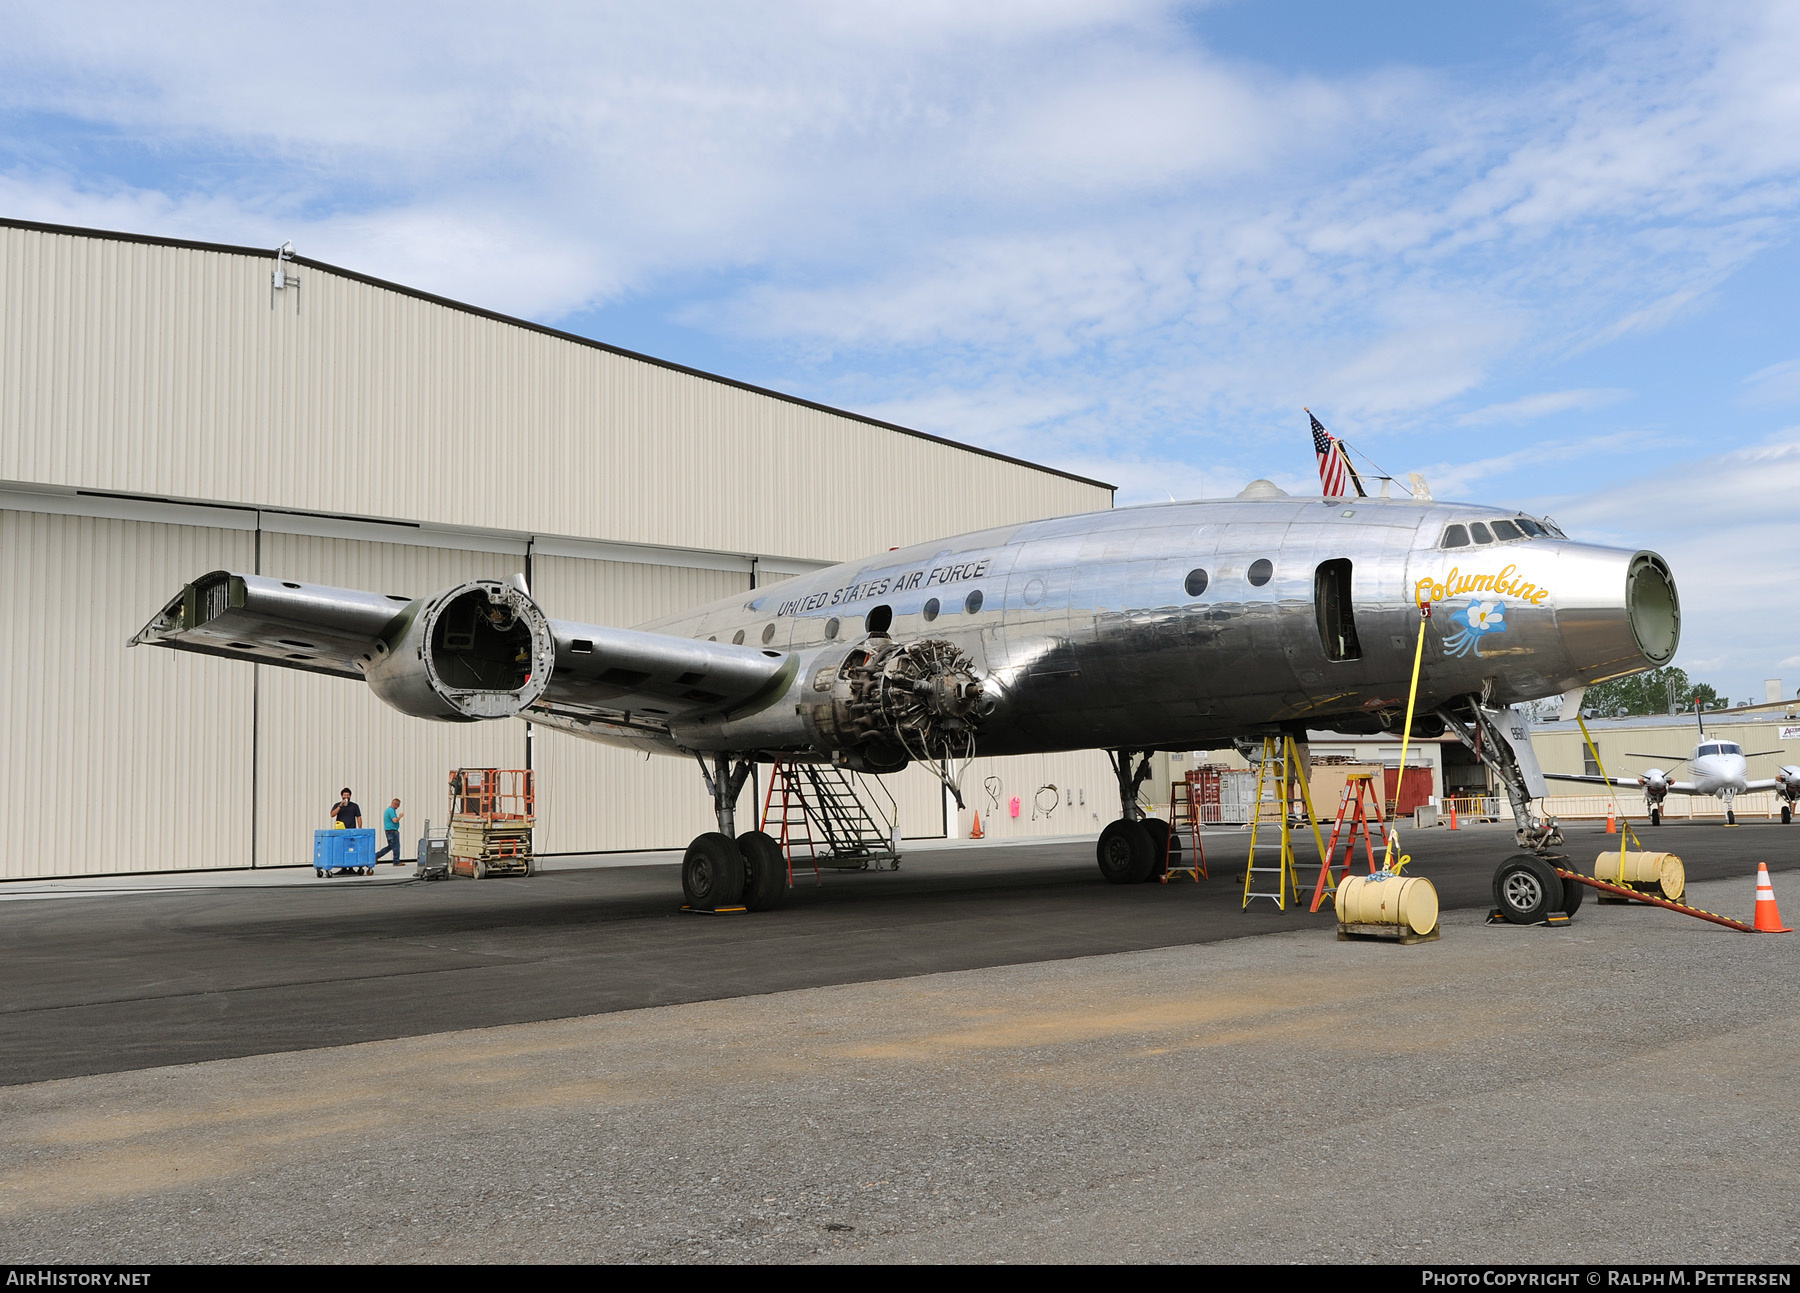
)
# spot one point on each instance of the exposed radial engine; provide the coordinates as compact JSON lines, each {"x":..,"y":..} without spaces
{"x":892,"y":703}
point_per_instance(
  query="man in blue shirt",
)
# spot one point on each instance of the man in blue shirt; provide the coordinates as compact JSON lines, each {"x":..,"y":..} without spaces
{"x":390,"y":822}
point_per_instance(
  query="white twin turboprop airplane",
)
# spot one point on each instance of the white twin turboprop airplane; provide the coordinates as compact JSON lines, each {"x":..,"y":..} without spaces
{"x":1720,"y":768}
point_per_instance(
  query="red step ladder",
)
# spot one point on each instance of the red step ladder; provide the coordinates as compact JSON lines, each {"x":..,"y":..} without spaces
{"x":1183,"y":814}
{"x":1359,"y":794}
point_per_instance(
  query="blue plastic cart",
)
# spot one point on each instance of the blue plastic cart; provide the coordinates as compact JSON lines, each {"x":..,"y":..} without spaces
{"x":338,"y":851}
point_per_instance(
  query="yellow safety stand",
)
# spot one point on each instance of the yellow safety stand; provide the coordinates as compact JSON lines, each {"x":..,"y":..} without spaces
{"x":1280,"y":753}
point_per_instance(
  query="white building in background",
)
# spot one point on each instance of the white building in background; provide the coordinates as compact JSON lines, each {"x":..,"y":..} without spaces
{"x":169,"y":408}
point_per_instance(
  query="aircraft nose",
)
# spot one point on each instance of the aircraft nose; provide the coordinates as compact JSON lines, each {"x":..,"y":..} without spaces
{"x":1617,"y":611}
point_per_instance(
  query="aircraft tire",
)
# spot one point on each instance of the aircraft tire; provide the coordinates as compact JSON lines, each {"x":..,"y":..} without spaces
{"x":1161,"y":855}
{"x":1572,"y":895}
{"x":1125,"y":852}
{"x":1731,"y":817}
{"x":1527,"y":889}
{"x":765,"y":871}
{"x":1656,"y":817}
{"x":1787,"y":814}
{"x":712,"y":872}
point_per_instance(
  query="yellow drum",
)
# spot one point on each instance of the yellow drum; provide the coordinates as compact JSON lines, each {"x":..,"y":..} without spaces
{"x":1407,"y":902}
{"x":1662,"y":872}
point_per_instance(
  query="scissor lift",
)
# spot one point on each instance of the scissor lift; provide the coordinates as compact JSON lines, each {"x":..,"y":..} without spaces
{"x":492,"y":812}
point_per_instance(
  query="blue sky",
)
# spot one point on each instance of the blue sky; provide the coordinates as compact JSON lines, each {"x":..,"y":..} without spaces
{"x":1544,"y":254}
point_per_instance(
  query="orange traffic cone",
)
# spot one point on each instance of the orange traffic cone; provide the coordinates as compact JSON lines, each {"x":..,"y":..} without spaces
{"x":1452,"y":814}
{"x":976,"y":832}
{"x":1768,"y":915}
{"x":1612,"y":825}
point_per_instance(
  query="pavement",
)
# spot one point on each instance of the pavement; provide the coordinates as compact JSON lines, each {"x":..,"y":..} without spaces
{"x":985,"y":1056}
{"x":1623,"y":1090}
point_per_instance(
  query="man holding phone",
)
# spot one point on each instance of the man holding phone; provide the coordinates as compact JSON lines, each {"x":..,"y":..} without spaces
{"x":390,"y":822}
{"x":346,"y":811}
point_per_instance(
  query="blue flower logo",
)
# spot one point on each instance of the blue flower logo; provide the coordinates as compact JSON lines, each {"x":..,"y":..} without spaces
{"x":1479,"y":618}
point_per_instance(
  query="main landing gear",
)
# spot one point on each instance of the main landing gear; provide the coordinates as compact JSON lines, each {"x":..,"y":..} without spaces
{"x":724,"y":869}
{"x":1135,"y":848}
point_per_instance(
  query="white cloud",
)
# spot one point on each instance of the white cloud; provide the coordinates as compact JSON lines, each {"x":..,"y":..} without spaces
{"x":1776,"y":384}
{"x":1532,"y":407}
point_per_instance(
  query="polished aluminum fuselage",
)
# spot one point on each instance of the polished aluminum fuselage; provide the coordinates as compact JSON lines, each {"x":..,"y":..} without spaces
{"x":1086,"y":635}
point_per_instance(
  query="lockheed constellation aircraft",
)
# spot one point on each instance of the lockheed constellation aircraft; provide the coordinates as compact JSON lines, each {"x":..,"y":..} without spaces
{"x":1169,"y":627}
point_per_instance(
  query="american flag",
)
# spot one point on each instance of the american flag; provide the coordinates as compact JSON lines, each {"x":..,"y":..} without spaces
{"x":1334,"y":467}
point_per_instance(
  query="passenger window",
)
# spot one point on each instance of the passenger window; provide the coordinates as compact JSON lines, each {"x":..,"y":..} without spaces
{"x":1506,"y":531}
{"x":931,"y":610}
{"x":1480,"y":532}
{"x":1455,"y":536}
{"x":1196,"y":583}
{"x":972,"y":603}
{"x":1337,"y":615}
{"x":1261,"y":571}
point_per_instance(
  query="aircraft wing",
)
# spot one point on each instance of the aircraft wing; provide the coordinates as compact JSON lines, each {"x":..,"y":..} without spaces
{"x":1767,"y":783}
{"x":1590,"y":779}
{"x":275,"y":622}
{"x":600,"y":674}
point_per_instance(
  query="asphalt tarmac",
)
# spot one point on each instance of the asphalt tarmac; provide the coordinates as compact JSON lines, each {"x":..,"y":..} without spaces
{"x":103,"y":984}
{"x":1621,"y":1090}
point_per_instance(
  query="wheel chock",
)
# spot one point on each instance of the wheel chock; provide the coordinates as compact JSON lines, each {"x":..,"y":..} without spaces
{"x":712,"y":911}
{"x":1556,"y":919}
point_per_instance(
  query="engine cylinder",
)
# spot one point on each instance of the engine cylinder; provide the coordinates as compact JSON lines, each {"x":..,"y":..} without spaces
{"x":476,"y":651}
{"x":883,"y":703}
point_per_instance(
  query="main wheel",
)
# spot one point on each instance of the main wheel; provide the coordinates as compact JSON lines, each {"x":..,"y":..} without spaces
{"x":1656,"y":817}
{"x":712,"y":871}
{"x":1730,"y":817}
{"x":765,"y":871}
{"x":1125,"y":852}
{"x":1162,"y":857}
{"x":1527,"y":889}
{"x":1787,"y":814}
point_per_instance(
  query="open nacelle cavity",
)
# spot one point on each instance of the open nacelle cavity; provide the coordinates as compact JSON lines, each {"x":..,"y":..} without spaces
{"x":477,"y":651}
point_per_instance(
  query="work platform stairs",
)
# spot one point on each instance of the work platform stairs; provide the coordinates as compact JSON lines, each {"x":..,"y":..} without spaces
{"x":829,"y":819}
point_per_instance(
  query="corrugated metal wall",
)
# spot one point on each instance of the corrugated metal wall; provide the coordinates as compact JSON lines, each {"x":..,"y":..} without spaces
{"x":593,"y":796}
{"x":316,"y":734}
{"x":166,"y":371}
{"x":163,"y":372}
{"x":115,"y":760}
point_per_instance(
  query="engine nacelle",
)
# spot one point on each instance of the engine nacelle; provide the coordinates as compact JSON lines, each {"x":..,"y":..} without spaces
{"x":1787,"y":783}
{"x":477,"y":651}
{"x":1655,"y":783}
{"x":879,"y":705}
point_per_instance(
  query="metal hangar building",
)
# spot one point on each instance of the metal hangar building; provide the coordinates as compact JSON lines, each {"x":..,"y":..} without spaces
{"x":169,"y":408}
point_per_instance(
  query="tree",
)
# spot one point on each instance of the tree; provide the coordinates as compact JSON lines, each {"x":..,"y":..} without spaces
{"x":1648,"y":693}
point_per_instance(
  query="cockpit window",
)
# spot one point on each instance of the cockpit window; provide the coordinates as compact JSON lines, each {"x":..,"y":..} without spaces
{"x":1708,"y":749}
{"x":1531,"y":527}
{"x":1505,"y":530}
{"x":1552,"y":529}
{"x":1456,"y":536}
{"x":1480,"y":532}
{"x":1730,"y":747}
